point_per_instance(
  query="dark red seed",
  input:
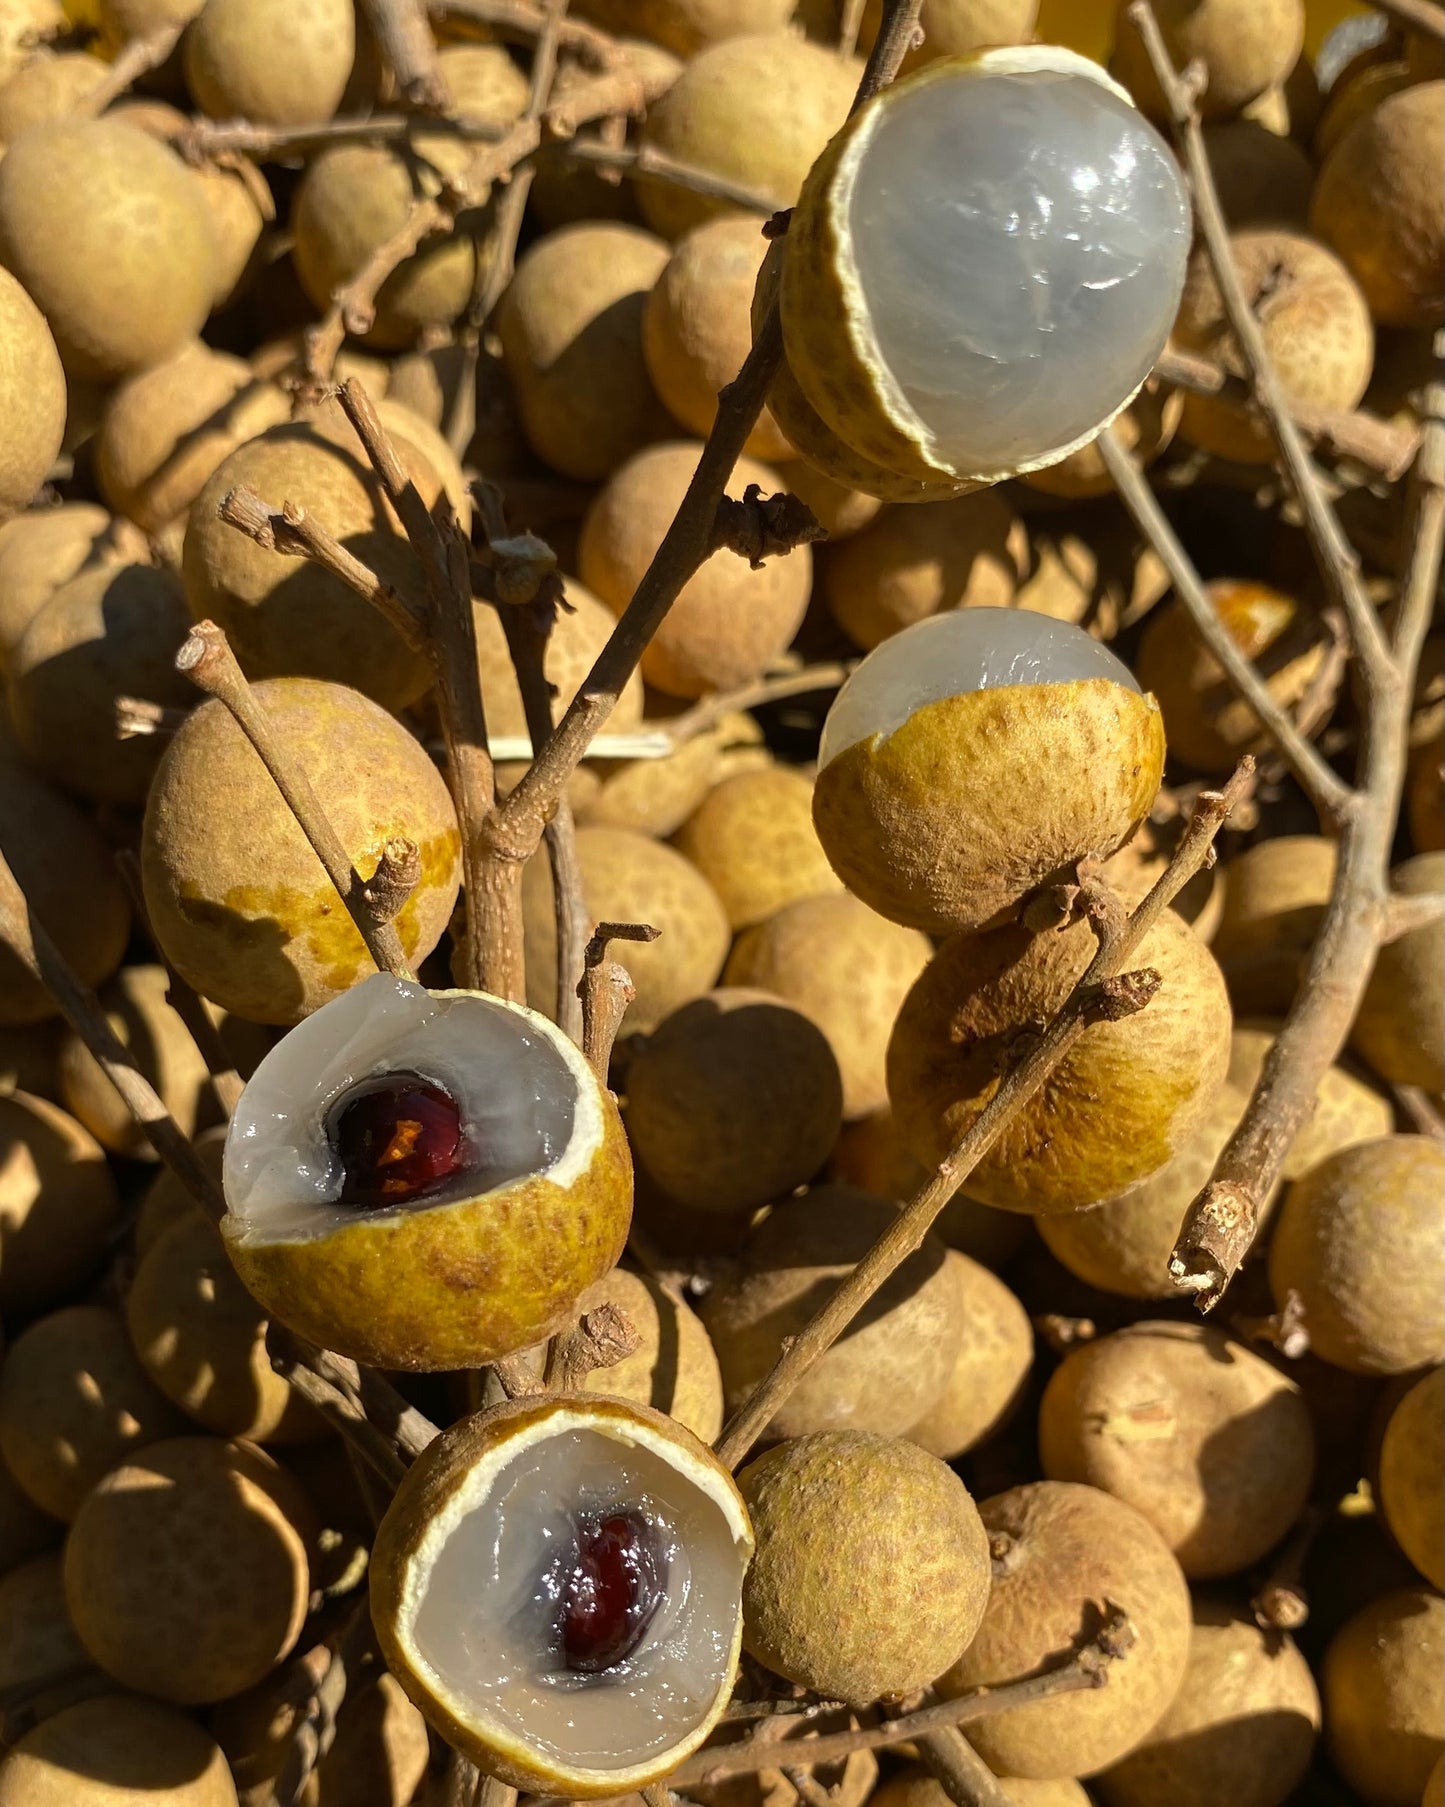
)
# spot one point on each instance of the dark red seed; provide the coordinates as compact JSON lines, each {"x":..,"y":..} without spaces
{"x":398,"y":1137}
{"x":611,"y":1594}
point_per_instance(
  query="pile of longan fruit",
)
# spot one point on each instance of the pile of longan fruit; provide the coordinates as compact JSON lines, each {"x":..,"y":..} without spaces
{"x":182,"y":1538}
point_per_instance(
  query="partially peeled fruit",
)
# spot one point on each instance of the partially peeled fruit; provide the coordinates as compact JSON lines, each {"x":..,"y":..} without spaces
{"x":424,"y":1180}
{"x":558,"y":1586}
{"x":976,"y":756}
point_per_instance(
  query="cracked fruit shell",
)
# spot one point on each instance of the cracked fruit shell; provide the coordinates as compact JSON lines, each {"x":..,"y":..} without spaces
{"x":424,"y":1180}
{"x":558,"y":1586}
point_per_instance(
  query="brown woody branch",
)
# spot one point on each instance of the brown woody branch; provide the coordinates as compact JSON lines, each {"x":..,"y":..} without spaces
{"x":600,"y":1338}
{"x":206,"y":658}
{"x":1104,"y":990}
{"x":606,"y":990}
{"x":409,"y":50}
{"x":135,"y":59}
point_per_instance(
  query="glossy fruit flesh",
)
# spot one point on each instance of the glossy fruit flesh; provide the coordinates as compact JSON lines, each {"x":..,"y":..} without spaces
{"x":610,"y":1592}
{"x":398,"y":1137}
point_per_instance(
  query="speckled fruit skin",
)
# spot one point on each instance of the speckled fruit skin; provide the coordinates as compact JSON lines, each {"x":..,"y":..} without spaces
{"x":1242,"y":1728}
{"x":1411,"y":1485}
{"x":186,"y":1570}
{"x":32,"y":396}
{"x":844,"y":1595}
{"x":1212,"y":1444}
{"x":1123,"y":1101}
{"x":234,"y":70}
{"x":452,"y":1286}
{"x":270,"y":939}
{"x":1064,"y":1545}
{"x":1378,"y":202}
{"x":110,"y":235}
{"x":1381,"y":1682}
{"x":431,"y":1481}
{"x":752,"y":838}
{"x":1359,"y":1239}
{"x":947,"y":823}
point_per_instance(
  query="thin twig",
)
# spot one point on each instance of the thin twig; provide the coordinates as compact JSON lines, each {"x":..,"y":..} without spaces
{"x":1339,"y":565}
{"x":135,"y":716}
{"x":1103,"y":989}
{"x":315,"y":1729}
{"x":290,"y":1359}
{"x":959,"y":1770}
{"x":1320,"y":782}
{"x":29,"y":941}
{"x":606,"y":990}
{"x":136,"y":58}
{"x":645,"y":163}
{"x":206,"y":658}
{"x":409,"y":50}
{"x":711,"y":709}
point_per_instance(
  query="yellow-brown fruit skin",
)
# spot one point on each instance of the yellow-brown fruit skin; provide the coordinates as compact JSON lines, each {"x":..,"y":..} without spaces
{"x":674,"y":1369}
{"x":846,"y":1593}
{"x":1065,"y":1548}
{"x":951,"y":820}
{"x":1246,"y":46}
{"x":270,"y":939}
{"x":32,"y":396}
{"x":1412,"y":1475}
{"x":277,"y":62}
{"x":118,"y":1747}
{"x":1120,"y":1105}
{"x":991,"y":1370}
{"x":1400,"y":1025}
{"x":1241,"y":1730}
{"x":453,"y":1286}
{"x":1209,"y":1442}
{"x":1359,"y":1240}
{"x":58,"y":1204}
{"x":1381,"y":1682}
{"x":1379,"y":202}
{"x":110,"y":235}
{"x":752,"y":838}
{"x":426,"y":1489}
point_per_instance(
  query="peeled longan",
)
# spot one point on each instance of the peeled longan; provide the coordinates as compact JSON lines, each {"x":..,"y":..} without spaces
{"x":109,"y":233}
{"x":1121,"y":1104}
{"x":286,"y":617}
{"x":269,"y":939}
{"x":843,"y":1595}
{"x":1242,"y":1728}
{"x":570,"y":326}
{"x":32,"y":396}
{"x":752,"y":837}
{"x":734,"y":1101}
{"x":202,"y":1338}
{"x":1274,"y":901}
{"x":912,"y":562}
{"x":1062,"y":1555}
{"x":74,"y":1401}
{"x":1384,"y":1696}
{"x":58,"y":1204}
{"x":891,"y":1364}
{"x":990,"y":1370}
{"x":112,"y":1750}
{"x":1316,"y":326}
{"x":581,"y":629}
{"x":628,"y":877}
{"x":1209,"y":1441}
{"x":186,"y":1569}
{"x":1379,"y":202}
{"x":234,"y":71}
{"x":729,"y":619}
{"x":1246,"y":46}
{"x":70,"y":882}
{"x":166,"y":428}
{"x":113,"y":630}
{"x":1207,"y":724}
{"x":754,"y":110}
{"x":1358,"y":1238}
{"x":1145,"y":428}
{"x":1412,"y":1475}
{"x":1400,"y":1026}
{"x":696,"y":332}
{"x":847,"y":968}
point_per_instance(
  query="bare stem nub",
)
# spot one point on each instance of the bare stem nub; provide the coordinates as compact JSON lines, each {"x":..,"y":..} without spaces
{"x":606,"y":990}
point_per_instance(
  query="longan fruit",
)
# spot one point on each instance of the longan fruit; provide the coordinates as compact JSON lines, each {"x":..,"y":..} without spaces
{"x":112,"y":1750}
{"x":1246,"y":47}
{"x":110,"y":234}
{"x":1316,"y":326}
{"x":1275,"y":895}
{"x":687,"y":26}
{"x":58,"y":1204}
{"x":1412,"y":1475}
{"x":1348,"y":1109}
{"x":1145,"y":428}
{"x":1384,"y":1697}
{"x":838,"y":510}
{"x":32,"y":396}
{"x":235,"y":72}
{"x":1358,"y":1239}
{"x":1400,"y":1025}
{"x":656,"y":796}
{"x":752,"y":838}
{"x":990,"y":1371}
{"x":25,"y":1531}
{"x":21,"y":23}
{"x":48,"y":85}
{"x":914,"y":561}
{"x":916,"y":1788}
{"x":1262,"y":179}
{"x":730,"y":619}
{"x":37,"y":1642}
{"x":955,"y":27}
{"x":46,"y":547}
{"x":1379,"y":202}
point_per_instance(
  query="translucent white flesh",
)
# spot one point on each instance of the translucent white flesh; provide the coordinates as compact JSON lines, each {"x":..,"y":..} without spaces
{"x":487,"y":1622}
{"x":956,"y":652}
{"x":1020,"y":243}
{"x":516,"y":1094}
